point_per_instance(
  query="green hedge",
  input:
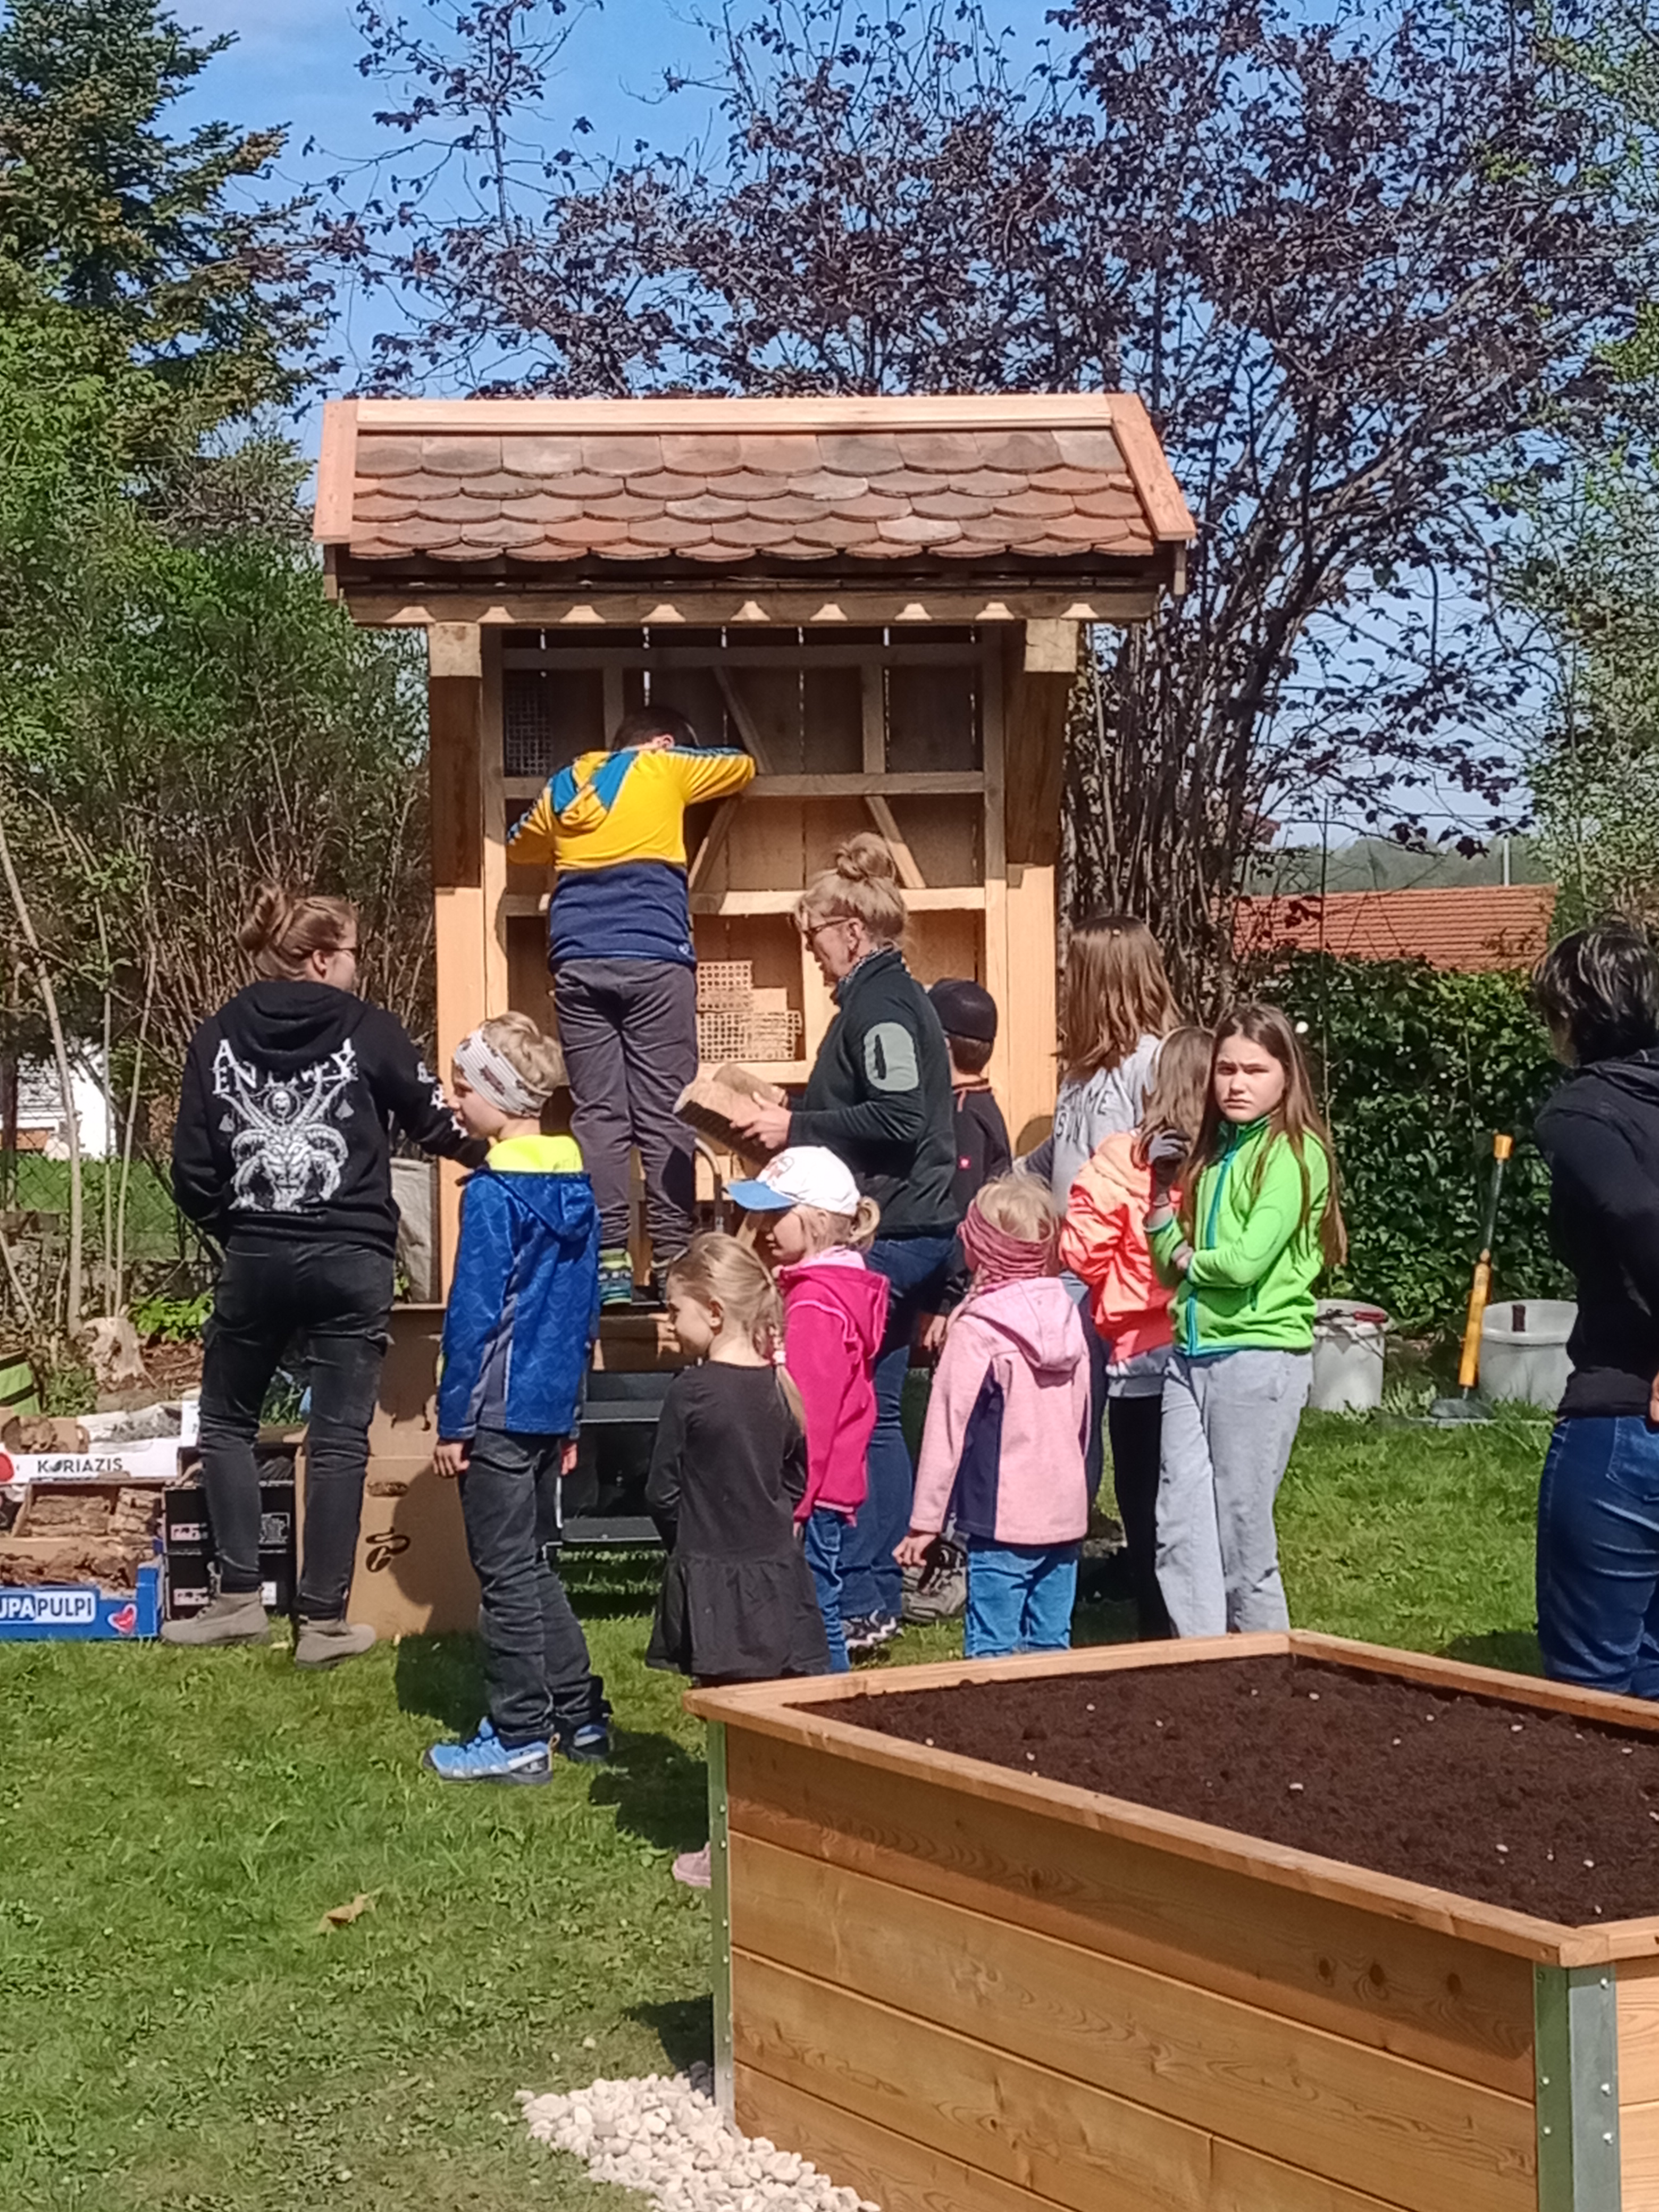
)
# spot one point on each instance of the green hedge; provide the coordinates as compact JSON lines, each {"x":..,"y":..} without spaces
{"x":1418,"y":1068}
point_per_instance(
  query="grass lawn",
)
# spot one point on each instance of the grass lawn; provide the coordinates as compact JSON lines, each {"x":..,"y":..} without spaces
{"x":185,"y":2038}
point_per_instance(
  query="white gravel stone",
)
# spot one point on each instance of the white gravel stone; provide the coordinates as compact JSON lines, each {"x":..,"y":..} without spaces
{"x":664,"y":2136}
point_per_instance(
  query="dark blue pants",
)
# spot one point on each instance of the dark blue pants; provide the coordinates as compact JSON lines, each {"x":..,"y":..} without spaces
{"x":873,"y":1584}
{"x":1598,"y":1555}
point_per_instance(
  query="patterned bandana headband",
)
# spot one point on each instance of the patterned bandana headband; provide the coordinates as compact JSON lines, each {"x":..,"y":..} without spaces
{"x":494,"y":1077}
{"x":996,"y":1257}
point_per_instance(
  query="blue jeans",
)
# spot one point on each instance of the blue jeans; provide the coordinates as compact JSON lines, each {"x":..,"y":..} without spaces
{"x":1598,"y":1555}
{"x":825,"y":1533}
{"x":915,"y":1268}
{"x":1020,"y":1598}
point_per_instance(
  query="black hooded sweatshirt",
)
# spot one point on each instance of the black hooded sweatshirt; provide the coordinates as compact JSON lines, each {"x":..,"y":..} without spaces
{"x":290,"y":1093}
{"x":1600,"y":1132}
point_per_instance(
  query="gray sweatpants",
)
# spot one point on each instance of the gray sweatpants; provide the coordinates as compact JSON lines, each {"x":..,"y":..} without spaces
{"x":1229,"y":1424}
{"x":630,"y":1032}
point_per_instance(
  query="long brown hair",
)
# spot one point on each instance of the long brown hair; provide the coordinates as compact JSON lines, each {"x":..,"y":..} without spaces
{"x":1180,"y":1085}
{"x":719,"y":1270}
{"x":1117,"y":993}
{"x":1296,"y":1118}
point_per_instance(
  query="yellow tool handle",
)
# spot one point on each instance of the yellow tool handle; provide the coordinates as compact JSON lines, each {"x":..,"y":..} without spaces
{"x":1502,"y":1147}
{"x":1468,"y":1367}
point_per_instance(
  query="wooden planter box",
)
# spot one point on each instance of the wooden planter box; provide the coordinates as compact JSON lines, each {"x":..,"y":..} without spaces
{"x":966,"y":1990}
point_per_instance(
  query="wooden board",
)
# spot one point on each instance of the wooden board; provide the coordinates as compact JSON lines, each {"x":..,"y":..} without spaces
{"x":1387,"y":1985}
{"x":1347,"y":2111}
{"x":1638,"y":2032}
{"x":1638,"y":2156}
{"x":1024,"y":2123}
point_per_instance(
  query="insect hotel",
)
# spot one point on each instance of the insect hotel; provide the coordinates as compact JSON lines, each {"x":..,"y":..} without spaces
{"x":882,"y":599}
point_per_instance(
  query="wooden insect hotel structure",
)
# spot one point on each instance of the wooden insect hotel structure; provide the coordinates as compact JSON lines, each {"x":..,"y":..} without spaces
{"x":882,"y":599}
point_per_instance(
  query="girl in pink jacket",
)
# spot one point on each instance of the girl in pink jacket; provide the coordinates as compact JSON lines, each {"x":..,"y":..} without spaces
{"x":816,"y":1225}
{"x":1004,"y":1452}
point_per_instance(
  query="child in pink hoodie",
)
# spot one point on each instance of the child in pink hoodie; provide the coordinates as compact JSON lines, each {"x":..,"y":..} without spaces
{"x":834,"y":1309}
{"x":1004,"y":1452}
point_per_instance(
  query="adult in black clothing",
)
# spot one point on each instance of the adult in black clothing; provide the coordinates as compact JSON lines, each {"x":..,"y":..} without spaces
{"x":1598,"y":1506}
{"x":879,"y":1097}
{"x":282,"y":1152}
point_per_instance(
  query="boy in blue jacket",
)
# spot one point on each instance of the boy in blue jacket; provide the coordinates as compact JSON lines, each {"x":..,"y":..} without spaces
{"x":523,"y":1313}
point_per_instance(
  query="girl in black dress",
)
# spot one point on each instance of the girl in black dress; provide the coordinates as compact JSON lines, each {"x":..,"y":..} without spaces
{"x":727,"y":1472}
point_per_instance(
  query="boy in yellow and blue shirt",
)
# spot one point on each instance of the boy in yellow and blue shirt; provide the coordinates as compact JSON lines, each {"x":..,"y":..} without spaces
{"x":612,"y":825}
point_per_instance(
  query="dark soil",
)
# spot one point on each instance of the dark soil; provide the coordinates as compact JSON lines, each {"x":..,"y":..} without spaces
{"x":1539,"y":1812}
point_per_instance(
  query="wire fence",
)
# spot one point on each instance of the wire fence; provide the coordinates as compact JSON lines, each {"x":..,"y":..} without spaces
{"x":148,"y":1242}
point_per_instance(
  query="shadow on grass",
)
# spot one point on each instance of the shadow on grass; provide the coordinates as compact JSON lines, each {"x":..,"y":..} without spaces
{"x":1109,"y":1623}
{"x":659,"y":1790}
{"x":441,"y":1676}
{"x":684,"y":2027}
{"x":1514,"y":1649}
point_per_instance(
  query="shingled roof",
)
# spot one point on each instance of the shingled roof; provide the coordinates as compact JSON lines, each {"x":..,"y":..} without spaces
{"x":1466,"y":926}
{"x":1074,"y":488}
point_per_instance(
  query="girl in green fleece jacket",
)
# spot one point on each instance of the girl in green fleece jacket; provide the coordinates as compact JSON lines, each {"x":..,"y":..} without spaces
{"x":1260,"y":1221}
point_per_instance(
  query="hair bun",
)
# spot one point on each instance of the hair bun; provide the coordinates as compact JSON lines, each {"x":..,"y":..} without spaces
{"x":267,"y":918}
{"x":867,"y":859}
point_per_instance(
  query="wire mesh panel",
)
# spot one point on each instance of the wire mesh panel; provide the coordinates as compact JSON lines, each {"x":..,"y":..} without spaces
{"x":724,"y":983}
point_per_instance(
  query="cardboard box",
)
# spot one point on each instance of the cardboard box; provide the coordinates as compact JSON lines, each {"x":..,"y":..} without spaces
{"x":405,"y":1424}
{"x":413,"y":1576}
{"x":155,"y":1460}
{"x":82,"y":1612}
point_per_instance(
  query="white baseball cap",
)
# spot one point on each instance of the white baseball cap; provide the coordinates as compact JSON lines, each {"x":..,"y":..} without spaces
{"x":806,"y":1174}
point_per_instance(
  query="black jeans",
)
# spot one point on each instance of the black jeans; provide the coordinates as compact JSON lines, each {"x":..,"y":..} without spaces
{"x":1136,"y":1425}
{"x":630,"y":1032}
{"x":337,"y":1297}
{"x":537,"y":1671}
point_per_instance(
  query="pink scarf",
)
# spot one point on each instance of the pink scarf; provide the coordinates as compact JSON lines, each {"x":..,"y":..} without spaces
{"x":996,"y":1257}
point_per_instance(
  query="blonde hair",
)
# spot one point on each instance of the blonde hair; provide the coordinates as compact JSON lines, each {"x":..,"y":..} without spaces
{"x":1020,"y":1205}
{"x":862,"y":886}
{"x":1117,"y":993}
{"x":533,"y":1056}
{"x":716,"y":1269}
{"x":825,"y":1232}
{"x":284,"y":929}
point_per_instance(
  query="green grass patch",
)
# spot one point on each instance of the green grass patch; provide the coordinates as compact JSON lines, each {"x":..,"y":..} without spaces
{"x":186,"y":2037}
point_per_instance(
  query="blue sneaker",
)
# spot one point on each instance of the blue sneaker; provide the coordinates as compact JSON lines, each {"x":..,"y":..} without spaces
{"x":589,"y":1745}
{"x":487,"y":1759}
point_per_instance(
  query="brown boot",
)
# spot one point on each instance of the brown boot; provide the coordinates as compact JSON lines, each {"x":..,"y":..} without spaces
{"x":326,"y":1643}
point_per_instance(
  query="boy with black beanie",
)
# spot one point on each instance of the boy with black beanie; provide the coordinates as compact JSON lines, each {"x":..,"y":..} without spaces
{"x":968,"y":1015}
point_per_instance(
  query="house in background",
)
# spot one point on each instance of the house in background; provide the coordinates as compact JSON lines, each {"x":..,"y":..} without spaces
{"x":1467,"y":927}
{"x":39,"y":1121}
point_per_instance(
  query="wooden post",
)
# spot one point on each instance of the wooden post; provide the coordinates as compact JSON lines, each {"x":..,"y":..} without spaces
{"x":455,"y":692}
{"x":1039,"y":669}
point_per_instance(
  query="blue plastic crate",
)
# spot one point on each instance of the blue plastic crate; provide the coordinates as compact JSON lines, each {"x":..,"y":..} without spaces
{"x":81,"y":1613}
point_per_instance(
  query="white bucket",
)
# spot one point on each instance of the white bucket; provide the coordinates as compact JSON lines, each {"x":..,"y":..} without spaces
{"x":1349,"y":1340}
{"x":1528,"y":1363}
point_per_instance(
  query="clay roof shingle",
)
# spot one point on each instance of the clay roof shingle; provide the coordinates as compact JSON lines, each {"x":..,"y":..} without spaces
{"x":1079,"y":479}
{"x":1468,"y":927}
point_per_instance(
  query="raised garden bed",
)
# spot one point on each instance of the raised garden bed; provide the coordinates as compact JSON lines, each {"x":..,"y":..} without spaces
{"x":1270,"y":1924}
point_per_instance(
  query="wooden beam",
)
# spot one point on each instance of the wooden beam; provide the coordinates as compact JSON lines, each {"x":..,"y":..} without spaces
{"x":748,"y":729}
{"x":455,"y":649}
{"x":380,"y":602}
{"x":1053,"y":411}
{"x":931,"y":898}
{"x":873,"y":701}
{"x":492,"y":814}
{"x":909,"y":875}
{"x":336,"y":473}
{"x":1051,"y":647}
{"x":1150,"y":472}
{"x":713,"y":844}
{"x":1035,"y":706}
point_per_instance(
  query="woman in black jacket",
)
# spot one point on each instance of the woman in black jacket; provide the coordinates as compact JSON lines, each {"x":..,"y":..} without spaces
{"x":879,"y":1097}
{"x":1598,"y":1506}
{"x":282,"y":1152}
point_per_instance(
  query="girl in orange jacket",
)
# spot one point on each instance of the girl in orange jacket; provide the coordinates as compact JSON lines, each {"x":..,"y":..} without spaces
{"x":1104,"y":1241}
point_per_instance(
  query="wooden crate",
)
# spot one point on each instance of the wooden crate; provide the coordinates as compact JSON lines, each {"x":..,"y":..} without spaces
{"x":961,"y":1989}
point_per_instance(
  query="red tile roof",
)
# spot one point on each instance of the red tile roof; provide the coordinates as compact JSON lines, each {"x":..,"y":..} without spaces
{"x":1078,"y":481}
{"x":1482,"y":926}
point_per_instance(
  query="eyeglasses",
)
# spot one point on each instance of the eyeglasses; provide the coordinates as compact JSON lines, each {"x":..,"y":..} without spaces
{"x":812,"y":931}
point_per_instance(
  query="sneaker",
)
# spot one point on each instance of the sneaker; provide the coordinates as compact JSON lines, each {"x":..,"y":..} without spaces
{"x":233,"y":1617}
{"x":588,"y":1746}
{"x":326,"y":1643}
{"x":616,"y":1277}
{"x":867,"y":1633}
{"x":487,"y":1759}
{"x":693,"y":1868}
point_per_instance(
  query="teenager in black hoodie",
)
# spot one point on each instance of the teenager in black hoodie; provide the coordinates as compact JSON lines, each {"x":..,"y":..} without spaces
{"x":282,"y":1152}
{"x":1598,"y":1506}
